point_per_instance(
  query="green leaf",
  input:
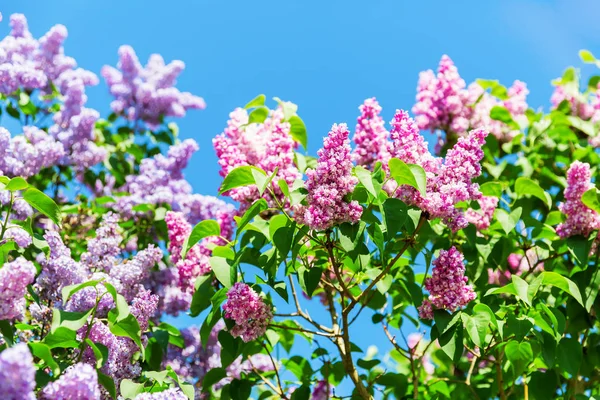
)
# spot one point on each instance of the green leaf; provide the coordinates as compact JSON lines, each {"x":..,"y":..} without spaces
{"x":62,"y":337}
{"x":492,"y":189}
{"x":100,"y":352}
{"x":8,"y":332}
{"x":231,"y":348}
{"x":252,"y":211}
{"x":240,"y":389}
{"x":70,"y":320}
{"x":240,"y":176}
{"x":506,"y":220}
{"x":70,"y":290}
{"x":519,"y":355}
{"x":256,"y":102}
{"x":522,"y":288}
{"x":587,"y":56}
{"x":213,"y":376}
{"x":395,"y":214}
{"x":500,"y":113}
{"x":44,"y":204}
{"x":129,"y":389}
{"x":526,"y":186}
{"x":364,"y":177}
{"x":224,"y":272}
{"x":569,"y":355}
{"x":42,"y":351}
{"x":561,"y":282}
{"x":203,"y":229}
{"x":128,"y":327}
{"x":17,"y":183}
{"x":591,"y":200}
{"x":202,"y":294}
{"x":258,"y":115}
{"x":120,"y":302}
{"x":408,"y":174}
{"x":298,"y":130}
{"x":108,"y":383}
{"x":310,"y":279}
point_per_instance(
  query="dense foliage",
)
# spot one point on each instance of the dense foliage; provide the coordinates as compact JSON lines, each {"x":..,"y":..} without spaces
{"x":485,"y":248}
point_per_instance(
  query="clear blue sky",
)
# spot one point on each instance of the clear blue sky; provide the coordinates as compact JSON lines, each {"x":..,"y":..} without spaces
{"x":326,"y":56}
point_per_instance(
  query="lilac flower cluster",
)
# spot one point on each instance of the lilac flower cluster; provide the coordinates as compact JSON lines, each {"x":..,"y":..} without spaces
{"x":17,"y":373}
{"x":581,"y":220}
{"x":249,"y":312}
{"x":20,"y":208}
{"x":370,"y":135}
{"x":579,"y":105}
{"x":169,"y":394}
{"x":416,"y":346}
{"x":266,"y":145}
{"x":19,"y":235}
{"x":79,"y":381}
{"x":447,"y":286}
{"x":448,"y":182}
{"x":193,"y":361}
{"x":330,"y":183}
{"x":148,"y":93}
{"x":445,"y":103}
{"x":30,"y":64}
{"x":14,"y":278}
{"x":321,"y":391}
{"x":517,"y":265}
{"x":482,"y":218}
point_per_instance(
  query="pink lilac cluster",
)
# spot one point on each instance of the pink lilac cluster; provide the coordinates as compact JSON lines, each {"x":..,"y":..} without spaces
{"x":169,"y":394}
{"x":447,"y":286}
{"x":148,"y":93}
{"x":321,"y":391}
{"x":27,"y":154}
{"x":17,"y":373}
{"x":581,"y":220}
{"x":79,"y":381}
{"x":517,"y":265}
{"x":370,"y":135}
{"x":516,"y":104}
{"x":30,"y":64}
{"x":449,"y":181}
{"x":161,"y":181}
{"x":416,"y":344}
{"x":249,"y":312}
{"x":442,"y":100}
{"x":14,"y":278}
{"x":596,"y":105}
{"x":482,"y":218}
{"x":193,"y":361}
{"x":578,"y":104}
{"x":330,"y":183}
{"x":267,"y":145}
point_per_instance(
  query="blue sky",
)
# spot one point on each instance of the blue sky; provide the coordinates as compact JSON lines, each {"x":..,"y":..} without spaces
{"x":326,"y":56}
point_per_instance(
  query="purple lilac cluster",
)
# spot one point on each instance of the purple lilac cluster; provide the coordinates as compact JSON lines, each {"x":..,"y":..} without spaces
{"x":14,"y":278}
{"x":148,"y":93}
{"x":482,"y":218}
{"x":449,"y":181}
{"x":267,"y":145}
{"x":169,"y":394}
{"x":17,"y":373}
{"x":21,"y":237}
{"x":249,"y":312}
{"x":447,"y":286}
{"x":370,"y":135}
{"x":20,"y":208}
{"x":193,"y":361}
{"x":79,"y":381}
{"x":321,"y":391}
{"x":581,"y":220}
{"x":29,"y":64}
{"x":330,"y":183}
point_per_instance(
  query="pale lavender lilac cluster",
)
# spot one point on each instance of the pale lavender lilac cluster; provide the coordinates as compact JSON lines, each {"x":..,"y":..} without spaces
{"x":370,"y":135}
{"x":249,"y":312}
{"x":14,"y":278}
{"x":30,"y":64}
{"x":148,"y":93}
{"x":79,"y":381}
{"x":17,"y":373}
{"x":193,"y":361}
{"x":330,"y":183}
{"x":321,"y":391}
{"x":581,"y":220}
{"x":169,"y":394}
{"x":267,"y":145}
{"x":449,"y":181}
{"x":447,"y":287}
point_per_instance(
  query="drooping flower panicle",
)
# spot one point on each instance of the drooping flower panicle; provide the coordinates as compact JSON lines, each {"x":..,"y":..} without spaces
{"x":249,"y":312}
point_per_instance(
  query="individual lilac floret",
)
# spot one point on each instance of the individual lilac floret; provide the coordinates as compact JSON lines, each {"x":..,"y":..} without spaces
{"x":321,"y":391}
{"x":169,"y":394}
{"x":17,"y":373}
{"x":249,"y":312}
{"x":370,"y":135}
{"x":79,"y":381}
{"x":482,"y":218}
{"x":267,"y":145}
{"x":148,"y":93}
{"x":581,"y":220}
{"x":330,"y":183}
{"x":442,"y":100}
{"x":447,"y":287}
{"x":14,"y":278}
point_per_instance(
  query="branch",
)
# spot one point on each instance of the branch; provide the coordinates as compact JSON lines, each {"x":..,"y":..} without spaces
{"x":292,"y":328}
